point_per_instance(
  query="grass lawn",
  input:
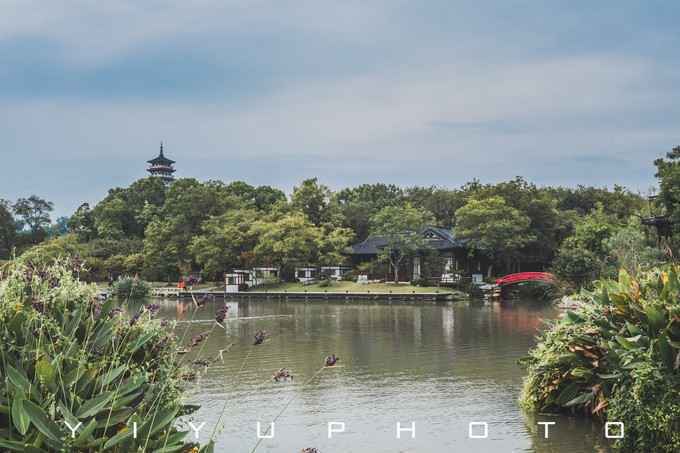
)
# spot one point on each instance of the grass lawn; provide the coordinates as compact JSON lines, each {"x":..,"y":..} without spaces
{"x":353,"y":287}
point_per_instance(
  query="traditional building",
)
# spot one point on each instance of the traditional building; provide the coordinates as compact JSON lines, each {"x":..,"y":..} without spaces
{"x":161,"y":167}
{"x":444,"y":258}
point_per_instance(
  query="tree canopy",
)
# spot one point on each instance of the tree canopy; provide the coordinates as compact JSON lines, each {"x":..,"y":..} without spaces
{"x":166,"y":230}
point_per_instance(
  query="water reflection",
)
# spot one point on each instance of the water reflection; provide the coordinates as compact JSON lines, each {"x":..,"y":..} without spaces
{"x":440,"y":366}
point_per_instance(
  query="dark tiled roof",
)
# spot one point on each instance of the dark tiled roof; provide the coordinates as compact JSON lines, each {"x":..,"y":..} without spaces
{"x":161,"y":159}
{"x":442,"y":239}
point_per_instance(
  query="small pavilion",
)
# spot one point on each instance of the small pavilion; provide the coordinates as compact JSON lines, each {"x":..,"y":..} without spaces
{"x":162,"y":167}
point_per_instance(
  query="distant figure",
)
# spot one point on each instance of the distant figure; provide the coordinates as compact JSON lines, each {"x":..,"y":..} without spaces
{"x":221,"y":314}
{"x":197,"y":339}
{"x":181,"y":309}
{"x":282,"y":375}
{"x":201,"y":302}
{"x":201,"y":362}
{"x":260,"y":336}
{"x":331,"y":360}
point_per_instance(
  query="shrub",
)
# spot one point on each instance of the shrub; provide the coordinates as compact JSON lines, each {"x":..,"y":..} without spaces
{"x":576,"y":265}
{"x":325,"y":282}
{"x":66,"y":357}
{"x":421,"y":282}
{"x":616,"y":358}
{"x":131,"y":288}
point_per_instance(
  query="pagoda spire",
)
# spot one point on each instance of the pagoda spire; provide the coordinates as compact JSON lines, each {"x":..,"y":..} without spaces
{"x":161,"y":167}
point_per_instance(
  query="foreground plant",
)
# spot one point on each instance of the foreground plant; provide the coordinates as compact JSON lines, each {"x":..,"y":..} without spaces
{"x":79,"y":375}
{"x":616,"y":358}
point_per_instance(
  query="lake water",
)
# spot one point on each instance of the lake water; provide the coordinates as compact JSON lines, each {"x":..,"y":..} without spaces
{"x":441,"y":366}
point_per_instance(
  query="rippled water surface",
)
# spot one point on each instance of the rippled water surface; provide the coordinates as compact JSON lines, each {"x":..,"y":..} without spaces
{"x":440,"y":366}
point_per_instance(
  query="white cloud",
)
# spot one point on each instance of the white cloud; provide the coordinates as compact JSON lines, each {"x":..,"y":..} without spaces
{"x":379,"y":117}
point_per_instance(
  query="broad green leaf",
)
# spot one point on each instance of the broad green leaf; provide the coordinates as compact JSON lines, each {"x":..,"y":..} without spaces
{"x":12,"y":445}
{"x":624,"y":342}
{"x":666,"y":352}
{"x":125,"y":400}
{"x":18,"y":378}
{"x":176,"y":437}
{"x":141,"y":341}
{"x":73,"y":322}
{"x":111,"y":375}
{"x":20,"y":418}
{"x":121,"y":436}
{"x":656,"y":318}
{"x":162,"y":419}
{"x":632,"y":329}
{"x":41,"y":421}
{"x":609,"y":376}
{"x":116,"y":417}
{"x":573,"y":318}
{"x":132,"y":384}
{"x":73,"y":375}
{"x":67,"y":414}
{"x":94,"y":405}
{"x":103,"y":335}
{"x":568,"y":394}
{"x":581,"y":399}
{"x":84,"y":435}
{"x":107,"y":306}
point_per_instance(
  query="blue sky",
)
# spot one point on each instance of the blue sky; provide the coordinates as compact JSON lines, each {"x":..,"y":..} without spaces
{"x":271,"y":92}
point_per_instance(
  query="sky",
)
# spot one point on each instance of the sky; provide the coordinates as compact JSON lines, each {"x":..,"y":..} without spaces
{"x":433,"y":92}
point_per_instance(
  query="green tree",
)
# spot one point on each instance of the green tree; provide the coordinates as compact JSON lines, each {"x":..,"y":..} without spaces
{"x":34,"y":212}
{"x":313,"y":200}
{"x":82,"y":223}
{"x":114,"y":219}
{"x":629,"y":249}
{"x":58,"y":228}
{"x":289,"y":241}
{"x":401,"y":228}
{"x":8,"y":229}
{"x":668,"y":173}
{"x":120,"y":213}
{"x":165,"y":254}
{"x":442,"y":203}
{"x":577,"y":265}
{"x":592,"y":230}
{"x":619,"y":202}
{"x":223,"y":241}
{"x":266,"y":197}
{"x":494,"y":228}
{"x":332,"y":245}
{"x":188,"y":203}
{"x":358,"y":204}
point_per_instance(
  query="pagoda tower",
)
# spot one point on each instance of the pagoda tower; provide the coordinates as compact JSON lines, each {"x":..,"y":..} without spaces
{"x":161,"y":167}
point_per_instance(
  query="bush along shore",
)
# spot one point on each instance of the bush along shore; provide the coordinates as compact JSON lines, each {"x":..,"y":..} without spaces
{"x":616,"y":358}
{"x":80,"y":375}
{"x":130,"y":288}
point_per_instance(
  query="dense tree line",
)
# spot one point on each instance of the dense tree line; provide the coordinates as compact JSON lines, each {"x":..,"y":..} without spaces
{"x":162,"y":231}
{"x":26,"y":222}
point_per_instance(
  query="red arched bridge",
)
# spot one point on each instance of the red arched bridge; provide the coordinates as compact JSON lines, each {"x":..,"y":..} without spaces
{"x":522,"y":277}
